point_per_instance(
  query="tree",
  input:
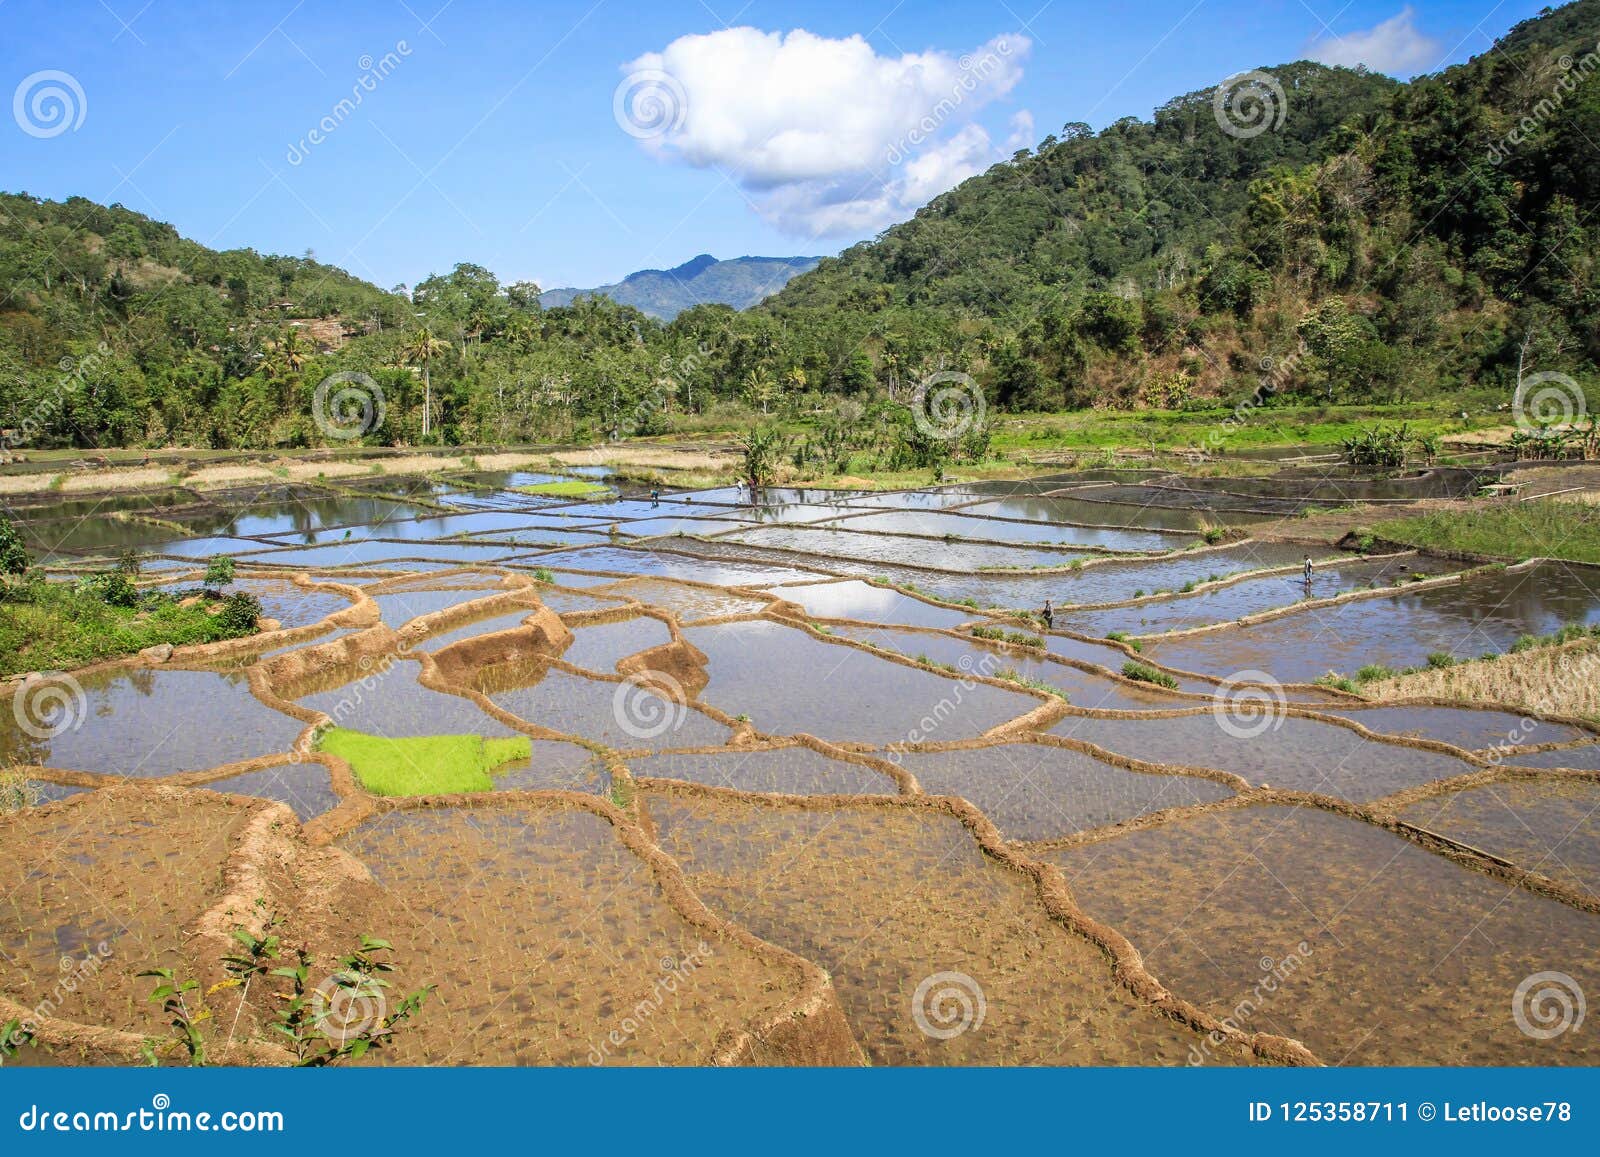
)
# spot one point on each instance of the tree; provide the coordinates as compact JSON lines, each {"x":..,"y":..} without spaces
{"x":422,"y":347}
{"x":219,"y":572}
{"x":13,"y":553}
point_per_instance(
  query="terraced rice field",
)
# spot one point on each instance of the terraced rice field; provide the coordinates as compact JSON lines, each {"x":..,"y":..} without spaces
{"x":810,"y":780}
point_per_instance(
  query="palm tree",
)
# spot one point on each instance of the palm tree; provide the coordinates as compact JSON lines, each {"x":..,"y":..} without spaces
{"x":421,"y":346}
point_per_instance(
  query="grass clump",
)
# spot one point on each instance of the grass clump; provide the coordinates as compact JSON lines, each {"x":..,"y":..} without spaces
{"x":426,"y":765}
{"x":1125,"y":639}
{"x":565,"y":488}
{"x":1143,"y":673}
{"x":1014,"y":638}
{"x":1011,"y":675}
{"x":56,"y":626}
{"x":1542,"y":528}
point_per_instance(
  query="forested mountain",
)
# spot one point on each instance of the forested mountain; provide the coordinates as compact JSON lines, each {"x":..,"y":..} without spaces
{"x":665,"y":293}
{"x":1377,"y":241}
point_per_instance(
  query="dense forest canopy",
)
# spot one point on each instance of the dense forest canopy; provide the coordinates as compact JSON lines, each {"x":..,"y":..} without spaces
{"x":1383,"y":242}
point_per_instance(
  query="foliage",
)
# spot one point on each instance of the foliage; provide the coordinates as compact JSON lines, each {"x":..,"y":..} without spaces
{"x":1143,"y":673}
{"x":1541,"y":528}
{"x":48,"y":626}
{"x":763,"y":451}
{"x":1366,"y":251}
{"x":219,"y":572}
{"x":566,"y":488}
{"x":425,"y":765}
{"x":14,"y":559}
{"x":239,"y":615}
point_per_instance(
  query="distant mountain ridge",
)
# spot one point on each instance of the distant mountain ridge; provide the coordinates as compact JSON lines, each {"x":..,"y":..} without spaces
{"x":703,"y":280}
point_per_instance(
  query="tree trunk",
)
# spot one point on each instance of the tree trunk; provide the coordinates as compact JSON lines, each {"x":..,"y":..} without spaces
{"x":427,"y":399}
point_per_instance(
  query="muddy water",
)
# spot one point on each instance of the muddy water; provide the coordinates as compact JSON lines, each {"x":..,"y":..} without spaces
{"x":970,"y":657}
{"x":1485,"y":614}
{"x":867,"y":603}
{"x":1546,"y":826}
{"x":1075,"y":510}
{"x":403,"y":606}
{"x":366,"y":552}
{"x":620,"y":715}
{"x":484,"y":626}
{"x":555,"y":766}
{"x":1249,"y":597}
{"x":1586,"y":758}
{"x":937,"y":524}
{"x":144,"y":723}
{"x":305,"y":787}
{"x":789,"y":770}
{"x":602,"y":647}
{"x":1104,"y":582}
{"x":392,"y":703}
{"x":1291,"y":752}
{"x":885,"y":899}
{"x":899,"y":549}
{"x":545,"y":934}
{"x":1461,"y":726}
{"x":1408,"y":958}
{"x":788,"y":682}
{"x":663,"y":564}
{"x":121,"y":868}
{"x":1034,"y":792}
{"x":687,"y":603}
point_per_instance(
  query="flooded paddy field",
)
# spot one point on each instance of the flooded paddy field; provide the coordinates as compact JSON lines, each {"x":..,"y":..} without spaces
{"x":693,"y":778}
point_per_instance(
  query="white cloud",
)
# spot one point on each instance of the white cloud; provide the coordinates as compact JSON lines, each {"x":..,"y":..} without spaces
{"x":826,"y":135}
{"x":1395,"y":47}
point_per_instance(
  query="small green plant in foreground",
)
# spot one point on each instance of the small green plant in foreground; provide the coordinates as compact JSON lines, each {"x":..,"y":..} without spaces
{"x":308,"y":1019}
{"x":424,"y":765}
{"x":1143,"y":673}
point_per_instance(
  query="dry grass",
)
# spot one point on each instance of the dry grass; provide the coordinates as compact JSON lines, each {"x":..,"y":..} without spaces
{"x":650,"y":457}
{"x":1545,"y":680}
{"x":236,"y":474}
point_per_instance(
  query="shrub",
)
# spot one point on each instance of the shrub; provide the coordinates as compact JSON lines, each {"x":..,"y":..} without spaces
{"x":13,"y":554}
{"x":219,"y":572}
{"x":1439,"y":660}
{"x":239,"y":614}
{"x":1145,"y":674}
{"x":116,"y":590}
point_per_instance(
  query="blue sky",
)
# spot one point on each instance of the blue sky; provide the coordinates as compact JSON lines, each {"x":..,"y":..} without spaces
{"x":497,"y":132}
